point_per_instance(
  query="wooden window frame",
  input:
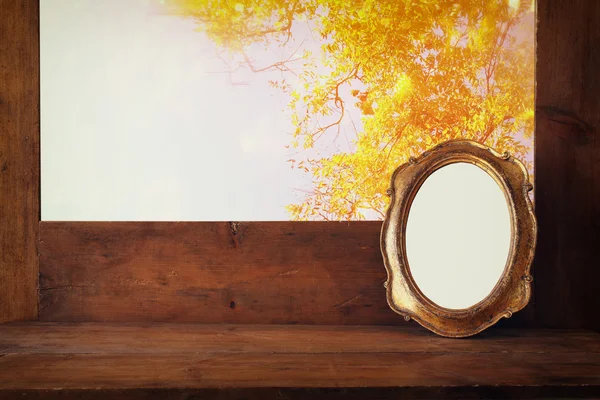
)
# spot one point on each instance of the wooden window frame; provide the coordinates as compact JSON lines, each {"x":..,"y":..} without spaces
{"x":285,"y":272}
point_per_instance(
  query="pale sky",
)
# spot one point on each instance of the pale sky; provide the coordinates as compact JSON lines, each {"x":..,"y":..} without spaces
{"x":140,"y":122}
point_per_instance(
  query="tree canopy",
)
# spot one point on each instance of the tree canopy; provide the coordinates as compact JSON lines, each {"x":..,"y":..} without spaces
{"x":421,"y":72}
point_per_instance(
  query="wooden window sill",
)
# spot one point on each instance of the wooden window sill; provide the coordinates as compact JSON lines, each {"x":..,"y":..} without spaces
{"x":42,"y":356}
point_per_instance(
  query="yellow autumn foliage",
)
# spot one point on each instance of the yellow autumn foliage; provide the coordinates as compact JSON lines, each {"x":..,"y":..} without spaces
{"x":420,"y":71}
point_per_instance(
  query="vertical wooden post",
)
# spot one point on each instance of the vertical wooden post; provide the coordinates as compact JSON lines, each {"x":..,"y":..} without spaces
{"x":19,"y":158}
{"x":567,"y":163}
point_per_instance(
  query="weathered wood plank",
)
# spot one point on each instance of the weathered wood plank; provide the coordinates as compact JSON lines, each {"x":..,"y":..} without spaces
{"x":259,"y":272}
{"x":105,"y":371}
{"x":567,"y":163}
{"x":19,"y":159}
{"x":92,"y":356}
{"x":405,"y":393}
{"x":160,"y":338}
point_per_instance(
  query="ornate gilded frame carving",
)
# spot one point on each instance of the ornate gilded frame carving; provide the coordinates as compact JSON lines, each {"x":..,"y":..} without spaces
{"x":512,"y":291}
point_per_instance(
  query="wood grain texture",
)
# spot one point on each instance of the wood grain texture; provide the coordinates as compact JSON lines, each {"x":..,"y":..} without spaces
{"x":19,"y":159}
{"x":261,"y":272}
{"x":86,"y":356}
{"x":251,"y":272}
{"x":567,"y":163}
{"x":405,"y":393}
{"x":100,"y":371}
{"x":161,"y":338}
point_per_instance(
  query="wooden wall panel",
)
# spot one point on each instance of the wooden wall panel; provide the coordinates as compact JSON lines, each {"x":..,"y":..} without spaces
{"x":215,"y":272}
{"x":261,"y":272}
{"x":567,"y":163}
{"x":19,"y":159}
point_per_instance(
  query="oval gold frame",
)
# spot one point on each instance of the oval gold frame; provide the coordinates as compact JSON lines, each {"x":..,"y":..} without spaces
{"x":512,"y":291}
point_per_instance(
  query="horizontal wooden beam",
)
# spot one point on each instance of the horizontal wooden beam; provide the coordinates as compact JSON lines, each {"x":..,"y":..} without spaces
{"x":216,"y":272}
{"x":161,"y":338}
{"x":361,"y":393}
{"x":57,"y":371}
{"x":259,"y":272}
{"x":79,"y":356}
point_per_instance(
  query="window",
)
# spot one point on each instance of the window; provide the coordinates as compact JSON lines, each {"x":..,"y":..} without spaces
{"x":271,"y":110}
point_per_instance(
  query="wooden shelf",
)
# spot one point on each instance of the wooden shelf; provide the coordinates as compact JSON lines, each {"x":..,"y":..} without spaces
{"x":101,"y":356}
